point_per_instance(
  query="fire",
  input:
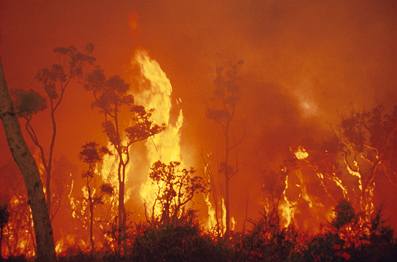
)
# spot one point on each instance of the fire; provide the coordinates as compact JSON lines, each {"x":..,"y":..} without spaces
{"x":59,"y":247}
{"x":286,"y":207}
{"x":211,"y":221}
{"x":366,"y":196}
{"x":223,"y":227}
{"x":233,"y":223}
{"x":164,"y":146}
{"x":301,"y":153}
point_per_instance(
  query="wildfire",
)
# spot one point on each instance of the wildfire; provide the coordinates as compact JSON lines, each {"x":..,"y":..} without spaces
{"x":211,"y":222}
{"x":301,"y":153}
{"x":286,"y":207}
{"x":164,"y":146}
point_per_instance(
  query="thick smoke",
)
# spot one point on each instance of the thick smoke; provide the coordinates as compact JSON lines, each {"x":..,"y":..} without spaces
{"x":306,"y":64}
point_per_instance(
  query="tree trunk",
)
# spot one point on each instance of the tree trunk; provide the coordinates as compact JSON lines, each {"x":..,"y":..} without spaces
{"x":45,"y":251}
{"x":1,"y":242}
{"x":92,"y":228}
{"x":121,"y":238}
{"x":227,"y":181}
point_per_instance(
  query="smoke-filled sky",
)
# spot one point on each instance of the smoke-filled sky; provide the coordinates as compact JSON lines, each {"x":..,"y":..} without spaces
{"x":306,"y":64}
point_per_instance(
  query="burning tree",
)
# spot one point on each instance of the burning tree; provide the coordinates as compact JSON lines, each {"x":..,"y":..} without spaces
{"x":18,"y":233}
{"x":92,"y":155}
{"x":176,"y":187}
{"x":54,"y":81}
{"x":225,"y":100}
{"x":369,"y":142}
{"x":4,"y":215}
{"x":113,"y":99}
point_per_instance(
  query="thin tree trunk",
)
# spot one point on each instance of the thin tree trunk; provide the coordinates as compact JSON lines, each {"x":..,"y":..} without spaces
{"x":227,"y":180}
{"x":50,"y":158}
{"x":1,"y":242}
{"x":121,"y":238}
{"x":92,"y":228}
{"x":121,"y":241}
{"x":23,"y":157}
{"x":91,"y":214}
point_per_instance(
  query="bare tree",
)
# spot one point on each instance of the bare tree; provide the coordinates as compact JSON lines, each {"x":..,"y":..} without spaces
{"x":54,"y":81}
{"x":223,"y":111}
{"x":23,"y":157}
{"x":111,"y":97}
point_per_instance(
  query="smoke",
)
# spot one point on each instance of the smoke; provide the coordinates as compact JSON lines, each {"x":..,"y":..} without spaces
{"x":306,"y":64}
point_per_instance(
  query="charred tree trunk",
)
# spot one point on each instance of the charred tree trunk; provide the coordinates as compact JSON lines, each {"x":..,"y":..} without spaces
{"x":45,"y":250}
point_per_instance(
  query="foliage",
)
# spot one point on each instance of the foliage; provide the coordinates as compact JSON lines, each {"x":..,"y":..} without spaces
{"x":222,"y":111}
{"x":112,"y":97}
{"x":53,"y":81}
{"x":344,"y":214}
{"x":226,"y":94}
{"x":351,"y":239}
{"x":267,"y":241}
{"x":176,"y":186}
{"x":94,"y":194}
{"x":178,"y":241}
{"x":29,"y":102}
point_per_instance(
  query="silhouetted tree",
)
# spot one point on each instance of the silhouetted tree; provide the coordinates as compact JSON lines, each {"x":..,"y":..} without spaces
{"x":54,"y":81}
{"x":267,"y":241}
{"x":225,"y":98}
{"x":176,"y":187}
{"x":112,"y":96}
{"x":92,"y":154}
{"x":23,"y":157}
{"x":344,"y":214}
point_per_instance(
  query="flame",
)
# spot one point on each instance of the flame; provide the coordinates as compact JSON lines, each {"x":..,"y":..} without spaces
{"x":339,"y":184}
{"x":286,"y":207}
{"x":366,"y":196}
{"x":233,"y":223}
{"x":164,"y":146}
{"x":301,"y":153}
{"x":211,"y":221}
{"x":59,"y":247}
{"x":223,"y":227}
{"x":355,"y":173}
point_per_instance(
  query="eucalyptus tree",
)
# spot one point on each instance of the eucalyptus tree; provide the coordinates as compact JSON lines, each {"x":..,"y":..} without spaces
{"x":124,"y":124}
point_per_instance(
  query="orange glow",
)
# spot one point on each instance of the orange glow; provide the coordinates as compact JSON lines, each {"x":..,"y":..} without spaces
{"x":301,"y":153}
{"x":288,"y":150}
{"x":164,"y":146}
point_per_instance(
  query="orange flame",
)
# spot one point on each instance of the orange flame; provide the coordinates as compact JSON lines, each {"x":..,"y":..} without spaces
{"x":164,"y":146}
